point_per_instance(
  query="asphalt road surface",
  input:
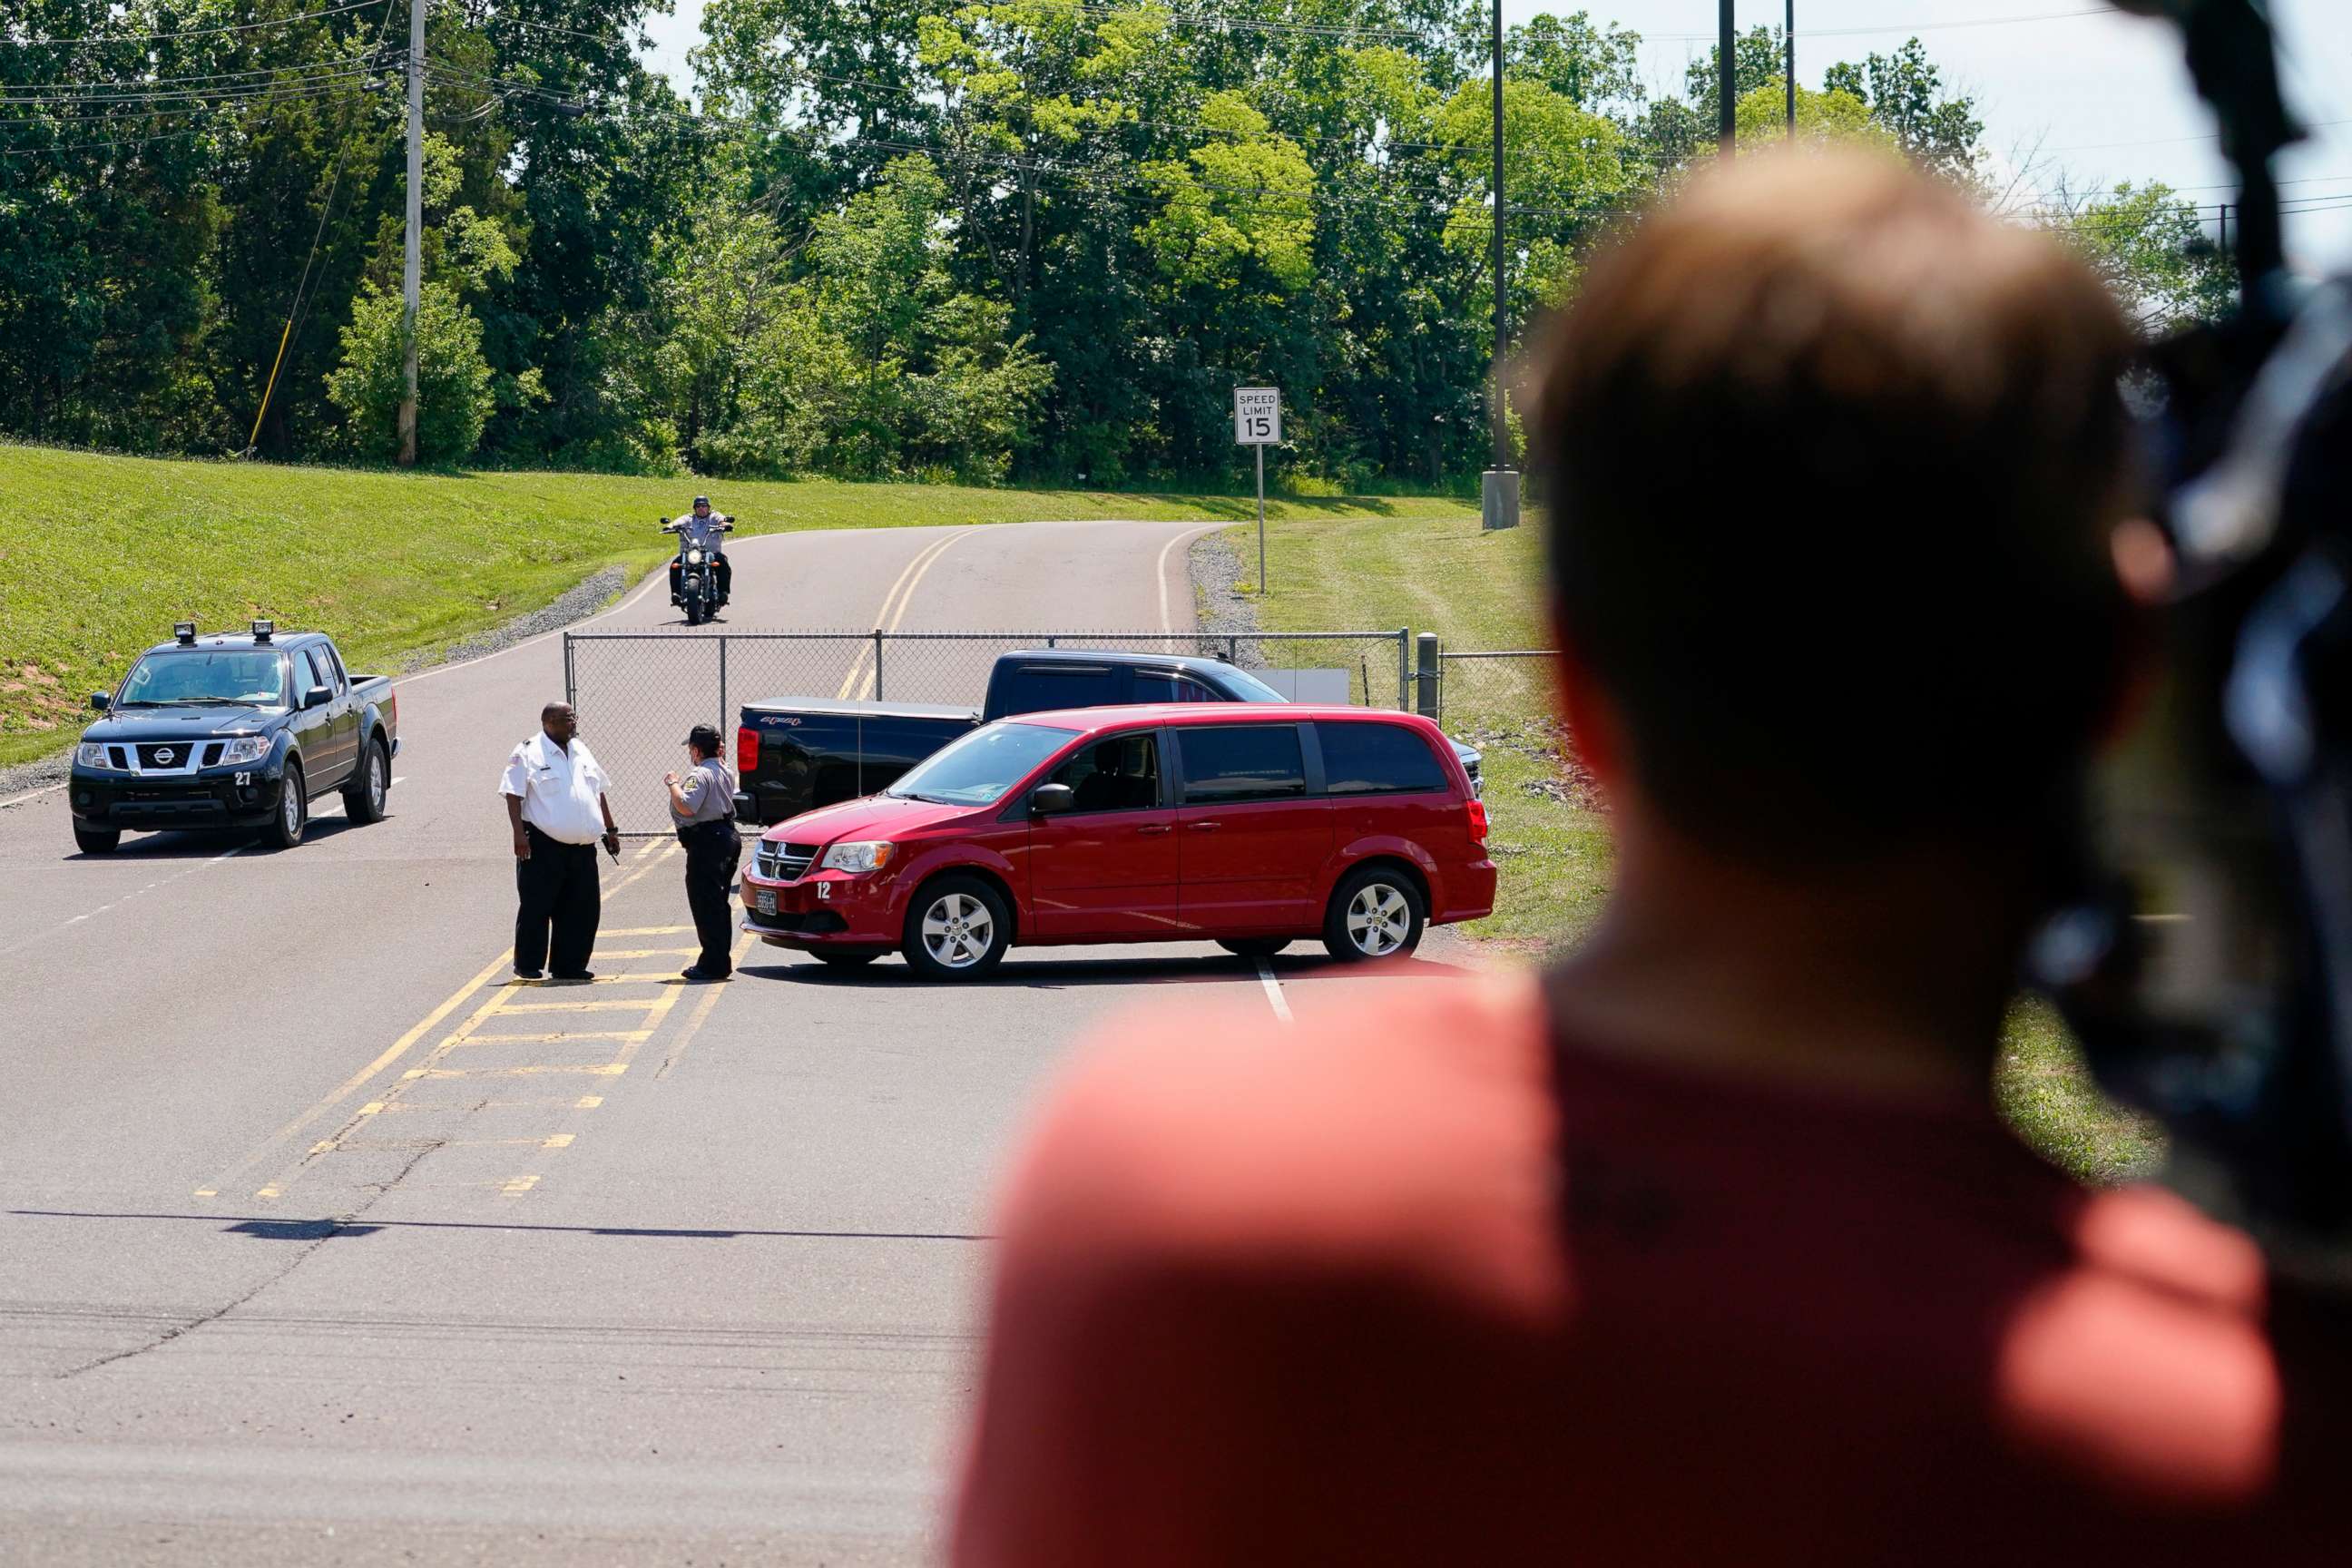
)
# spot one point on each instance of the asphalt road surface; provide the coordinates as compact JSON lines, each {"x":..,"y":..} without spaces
{"x":326,"y":1240}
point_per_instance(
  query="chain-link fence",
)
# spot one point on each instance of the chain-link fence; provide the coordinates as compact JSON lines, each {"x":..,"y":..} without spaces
{"x":639,"y":692}
{"x":1494,"y":689}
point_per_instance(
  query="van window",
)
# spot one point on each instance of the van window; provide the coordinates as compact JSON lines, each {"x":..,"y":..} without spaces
{"x":1167,"y":686}
{"x":1225,"y":764}
{"x":1035,"y":687}
{"x":1121,"y":774}
{"x":1377,"y":759}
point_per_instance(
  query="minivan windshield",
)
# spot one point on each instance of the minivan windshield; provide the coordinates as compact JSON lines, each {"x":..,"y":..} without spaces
{"x":979,"y":769}
{"x":186,"y":677}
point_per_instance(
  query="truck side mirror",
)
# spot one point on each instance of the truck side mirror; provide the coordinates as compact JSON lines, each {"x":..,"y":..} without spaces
{"x":1052,"y":799}
{"x":317,"y":697}
{"x":100,"y":701}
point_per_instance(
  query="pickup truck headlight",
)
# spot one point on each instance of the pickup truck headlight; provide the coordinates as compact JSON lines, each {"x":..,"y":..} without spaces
{"x":244,"y":749}
{"x":91,"y":754}
{"x":857,"y":857}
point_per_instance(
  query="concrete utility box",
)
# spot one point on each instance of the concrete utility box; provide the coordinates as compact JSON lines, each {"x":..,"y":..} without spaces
{"x":1333,"y":686}
{"x":1499,"y":504}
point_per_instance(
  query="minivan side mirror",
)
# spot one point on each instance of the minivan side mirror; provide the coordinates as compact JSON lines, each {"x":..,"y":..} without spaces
{"x":1052,"y":799}
{"x":317,"y":697}
{"x":100,"y":701}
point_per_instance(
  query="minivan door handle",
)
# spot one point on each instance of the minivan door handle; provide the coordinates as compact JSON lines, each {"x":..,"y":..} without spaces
{"x":1206,"y":827}
{"x":1156,"y":827}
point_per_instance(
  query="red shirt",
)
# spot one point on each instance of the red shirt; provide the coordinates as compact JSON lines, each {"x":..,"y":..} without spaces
{"x":1407,"y":1284}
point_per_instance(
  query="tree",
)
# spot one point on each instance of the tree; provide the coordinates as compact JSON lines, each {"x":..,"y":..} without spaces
{"x":453,"y":380}
{"x":2150,"y":247}
{"x":1906,"y":98}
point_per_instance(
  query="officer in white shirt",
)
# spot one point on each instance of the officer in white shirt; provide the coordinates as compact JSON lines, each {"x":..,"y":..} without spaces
{"x":555,"y":803}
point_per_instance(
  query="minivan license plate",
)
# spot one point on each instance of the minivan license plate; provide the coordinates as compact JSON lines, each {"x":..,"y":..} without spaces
{"x":765,"y":898}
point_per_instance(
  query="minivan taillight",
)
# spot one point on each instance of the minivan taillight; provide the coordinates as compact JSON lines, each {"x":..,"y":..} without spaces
{"x":747,"y":749}
{"x":1477,"y":821}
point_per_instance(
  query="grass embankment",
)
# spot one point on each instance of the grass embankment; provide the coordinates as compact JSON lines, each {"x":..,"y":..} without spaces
{"x":1482,"y":591}
{"x":100,"y":554}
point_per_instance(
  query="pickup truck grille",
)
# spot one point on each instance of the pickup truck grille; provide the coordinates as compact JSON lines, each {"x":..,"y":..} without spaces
{"x":784,"y":862}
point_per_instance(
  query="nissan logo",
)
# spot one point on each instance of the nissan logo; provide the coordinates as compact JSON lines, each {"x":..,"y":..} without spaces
{"x":164,"y":756}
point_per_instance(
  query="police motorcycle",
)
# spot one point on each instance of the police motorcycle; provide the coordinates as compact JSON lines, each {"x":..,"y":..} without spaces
{"x":695,"y":571}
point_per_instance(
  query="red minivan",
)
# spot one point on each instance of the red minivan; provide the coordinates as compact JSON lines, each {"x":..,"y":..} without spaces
{"x":1249,"y":826}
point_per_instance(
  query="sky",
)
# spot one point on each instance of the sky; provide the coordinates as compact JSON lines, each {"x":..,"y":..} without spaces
{"x":2066,"y":88}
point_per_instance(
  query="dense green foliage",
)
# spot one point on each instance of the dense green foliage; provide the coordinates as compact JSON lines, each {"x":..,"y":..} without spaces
{"x":1033,"y":239}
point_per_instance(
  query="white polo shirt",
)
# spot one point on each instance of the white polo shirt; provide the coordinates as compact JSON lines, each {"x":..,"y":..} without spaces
{"x":560,"y":790}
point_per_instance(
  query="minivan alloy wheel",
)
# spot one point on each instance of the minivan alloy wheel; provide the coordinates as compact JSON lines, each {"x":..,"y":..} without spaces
{"x":958,"y":931}
{"x":1378,"y":920}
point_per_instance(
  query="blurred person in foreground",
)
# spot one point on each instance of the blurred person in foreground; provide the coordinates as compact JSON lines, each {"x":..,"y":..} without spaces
{"x":1707,"y":1246}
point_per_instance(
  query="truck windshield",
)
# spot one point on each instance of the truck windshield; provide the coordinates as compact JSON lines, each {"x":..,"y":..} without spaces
{"x":1248,"y":687}
{"x":978,"y":769}
{"x":208,"y":674}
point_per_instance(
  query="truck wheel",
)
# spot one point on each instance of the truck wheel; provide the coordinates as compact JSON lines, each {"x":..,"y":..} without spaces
{"x":364,"y":798}
{"x":957,"y":928}
{"x":96,"y":840}
{"x":1376,"y":912}
{"x":285,"y":829}
{"x":1254,"y":946}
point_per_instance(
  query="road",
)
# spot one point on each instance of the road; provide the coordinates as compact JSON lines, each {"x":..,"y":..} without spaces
{"x":328,"y":1241}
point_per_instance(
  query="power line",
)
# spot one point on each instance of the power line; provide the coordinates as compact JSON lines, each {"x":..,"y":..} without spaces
{"x":1912,"y":27}
{"x":102,"y":39}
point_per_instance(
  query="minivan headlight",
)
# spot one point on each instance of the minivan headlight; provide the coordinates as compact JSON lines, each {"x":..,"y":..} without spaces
{"x":246,"y":749}
{"x":857,"y":857}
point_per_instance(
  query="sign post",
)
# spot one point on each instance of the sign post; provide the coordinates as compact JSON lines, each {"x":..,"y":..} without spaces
{"x":1258,"y":422}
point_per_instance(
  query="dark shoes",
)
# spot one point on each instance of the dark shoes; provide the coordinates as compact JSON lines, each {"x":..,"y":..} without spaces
{"x":527,"y":974}
{"x":583,"y":975}
{"x":700,"y":976}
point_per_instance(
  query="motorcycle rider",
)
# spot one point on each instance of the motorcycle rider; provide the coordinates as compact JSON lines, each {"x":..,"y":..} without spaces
{"x":705,"y":530}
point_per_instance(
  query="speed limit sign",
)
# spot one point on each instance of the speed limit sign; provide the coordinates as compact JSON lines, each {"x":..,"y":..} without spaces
{"x":1257,"y":416}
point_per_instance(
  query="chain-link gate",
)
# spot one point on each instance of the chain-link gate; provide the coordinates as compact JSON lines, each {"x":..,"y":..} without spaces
{"x":1495,"y":689}
{"x":637,"y":693}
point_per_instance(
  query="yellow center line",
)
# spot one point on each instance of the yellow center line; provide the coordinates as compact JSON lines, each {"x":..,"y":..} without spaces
{"x":351,"y":1086}
{"x":702,"y":1009}
{"x":860,"y":679}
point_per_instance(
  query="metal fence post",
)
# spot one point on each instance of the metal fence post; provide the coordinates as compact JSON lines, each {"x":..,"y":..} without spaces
{"x":1233,"y":650}
{"x":570,"y":683}
{"x":723,"y":725}
{"x":1427,"y":700}
{"x":1404,"y":672}
{"x":877,"y":668}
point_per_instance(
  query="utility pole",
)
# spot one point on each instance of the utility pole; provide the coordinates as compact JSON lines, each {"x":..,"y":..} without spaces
{"x":1789,"y":41}
{"x":412,"y":259}
{"x":1726,"y":84}
{"x":2222,"y":244}
{"x":1499,"y":501}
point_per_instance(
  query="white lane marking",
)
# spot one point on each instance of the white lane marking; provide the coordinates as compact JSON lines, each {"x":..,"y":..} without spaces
{"x":1167,"y":621}
{"x":1273,"y":989}
{"x":657,"y":575}
{"x":30,"y":794}
{"x":135,"y":892}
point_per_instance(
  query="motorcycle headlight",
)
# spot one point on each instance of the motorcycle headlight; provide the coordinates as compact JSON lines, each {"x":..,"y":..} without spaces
{"x":694,"y":558}
{"x":246,"y":749}
{"x":90,"y":755}
{"x":857,"y":857}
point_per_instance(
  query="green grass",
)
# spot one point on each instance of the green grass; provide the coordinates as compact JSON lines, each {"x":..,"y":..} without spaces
{"x":1440,"y":573}
{"x":100,"y":554}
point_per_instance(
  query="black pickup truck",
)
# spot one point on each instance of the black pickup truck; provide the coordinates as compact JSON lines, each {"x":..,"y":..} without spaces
{"x":796,"y":754}
{"x":241,"y":730}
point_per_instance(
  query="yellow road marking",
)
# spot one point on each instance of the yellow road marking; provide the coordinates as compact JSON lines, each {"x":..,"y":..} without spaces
{"x":207,"y":1191}
{"x":547,"y":1039}
{"x":521,"y":1185}
{"x":602,"y":1069}
{"x":556,"y":1140}
{"x":648,"y":952}
{"x":372,"y":1108}
{"x":588,"y":1102}
{"x":641,"y":930}
{"x":693,"y":1020}
{"x":616,"y":1005}
{"x":266,"y":1192}
{"x":668,"y":850}
{"x":651,"y":845}
{"x":860,"y":680}
{"x":351,"y":1086}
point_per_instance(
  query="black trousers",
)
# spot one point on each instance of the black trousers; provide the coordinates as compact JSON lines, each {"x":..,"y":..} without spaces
{"x":722,"y":575}
{"x":713,"y":849}
{"x":556,"y":886}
